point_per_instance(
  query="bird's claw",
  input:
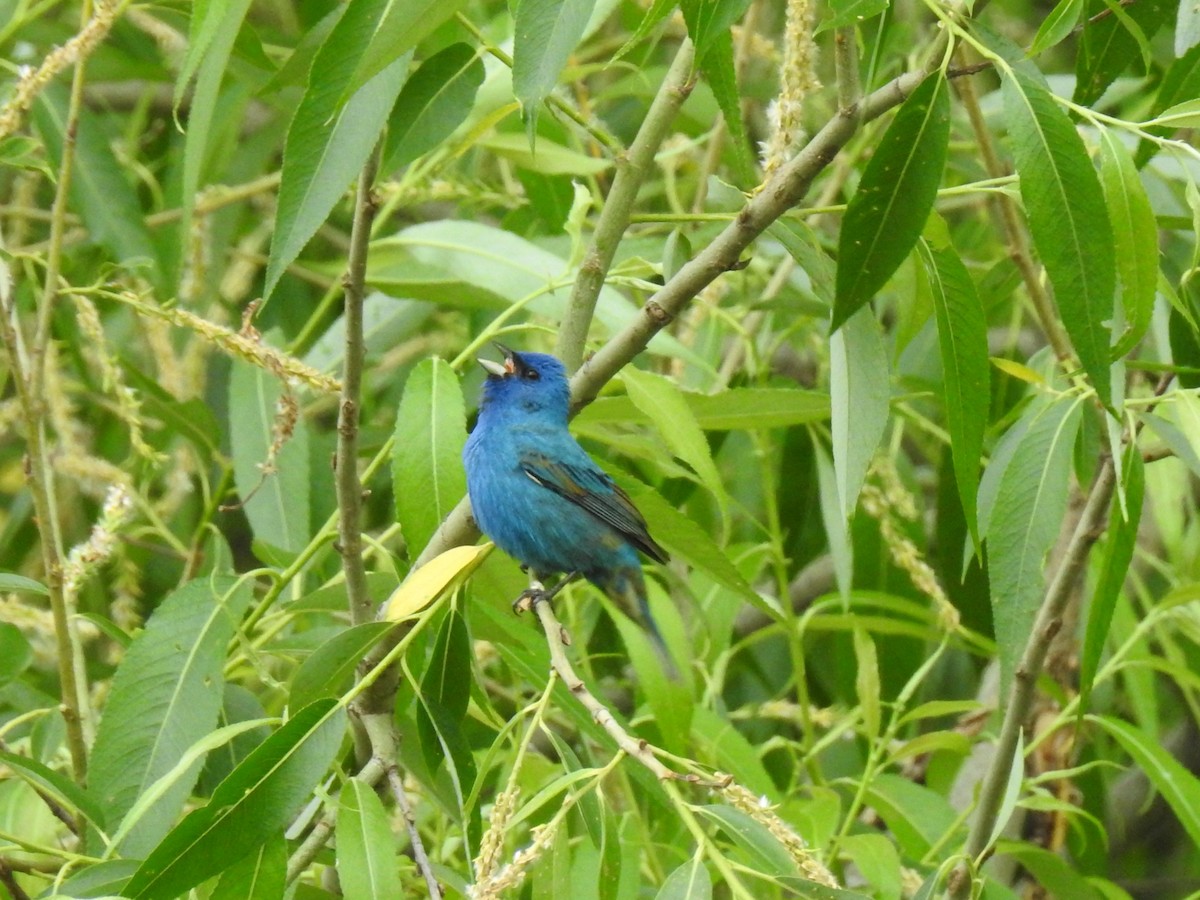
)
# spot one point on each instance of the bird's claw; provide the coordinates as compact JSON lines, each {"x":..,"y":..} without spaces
{"x":530,"y":597}
{"x":528,"y":600}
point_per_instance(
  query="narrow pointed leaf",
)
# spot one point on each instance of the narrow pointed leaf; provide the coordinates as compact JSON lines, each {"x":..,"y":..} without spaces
{"x":1178,"y":786}
{"x":1067,"y":218}
{"x":331,"y":134}
{"x":256,"y":801}
{"x":662,"y":402}
{"x":689,"y":881}
{"x":433,"y":102}
{"x":962,"y":340}
{"x":260,"y":875}
{"x":1057,"y":25}
{"x":719,"y":70}
{"x":210,"y":57}
{"x":366,"y":847}
{"x":1135,"y":234}
{"x":431,"y":429}
{"x":894,"y":197}
{"x":276,"y":503}
{"x":708,"y":20}
{"x":1029,"y":509}
{"x":401,"y":27}
{"x":545,"y":35}
{"x":859,"y":393}
{"x":165,"y":696}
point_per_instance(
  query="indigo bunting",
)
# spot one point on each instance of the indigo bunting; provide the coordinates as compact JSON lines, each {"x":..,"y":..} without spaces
{"x":539,"y":496}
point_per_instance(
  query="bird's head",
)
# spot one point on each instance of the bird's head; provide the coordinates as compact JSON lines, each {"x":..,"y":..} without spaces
{"x":535,"y":383}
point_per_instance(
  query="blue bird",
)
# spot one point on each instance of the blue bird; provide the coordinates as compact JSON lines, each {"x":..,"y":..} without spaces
{"x":539,"y":496}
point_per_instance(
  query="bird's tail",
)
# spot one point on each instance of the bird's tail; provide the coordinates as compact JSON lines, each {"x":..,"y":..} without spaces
{"x":627,"y":588}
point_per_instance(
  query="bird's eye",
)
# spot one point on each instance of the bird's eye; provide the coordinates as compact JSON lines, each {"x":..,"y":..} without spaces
{"x":532,"y":374}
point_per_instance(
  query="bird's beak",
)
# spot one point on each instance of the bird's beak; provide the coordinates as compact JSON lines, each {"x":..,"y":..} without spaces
{"x":494,"y":369}
{"x":500,"y":370}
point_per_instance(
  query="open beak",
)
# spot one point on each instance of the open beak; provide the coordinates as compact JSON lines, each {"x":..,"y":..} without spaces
{"x":499,"y":370}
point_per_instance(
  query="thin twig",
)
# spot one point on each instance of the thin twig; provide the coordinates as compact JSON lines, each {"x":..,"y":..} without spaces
{"x":632,"y":168}
{"x":783,"y":191}
{"x":9,"y":880}
{"x":556,"y":640}
{"x":349,"y":489}
{"x":396,"y":783}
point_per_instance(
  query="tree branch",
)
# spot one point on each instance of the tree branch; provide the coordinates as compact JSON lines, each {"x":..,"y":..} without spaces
{"x":632,"y":168}
{"x":348,"y":487}
{"x":781,"y":192}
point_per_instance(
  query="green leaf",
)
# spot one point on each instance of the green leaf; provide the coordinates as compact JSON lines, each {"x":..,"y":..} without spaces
{"x":805,"y":248}
{"x":329,"y":668}
{"x":10,"y":581}
{"x":1181,"y":115}
{"x":859,"y":393}
{"x":100,"y":188}
{"x":474,"y":265}
{"x":1012,"y":791}
{"x":15,"y":653}
{"x":894,"y":198}
{"x":1135,"y":236}
{"x":866,"y":682}
{"x":366,"y":847}
{"x":106,"y":879}
{"x":427,"y":470}
{"x":1110,"y":43}
{"x":329,"y":137}
{"x":1067,"y":218}
{"x":1187,"y":27}
{"x":545,"y":33}
{"x":962,"y":340}
{"x":1030,"y":504}
{"x":661,"y":401}
{"x":547,"y":158}
{"x":209,"y":47}
{"x":1179,"y":787}
{"x":54,"y":784}
{"x":709,"y":21}
{"x":735,"y":409}
{"x":278,"y":503}
{"x":441,"y":688}
{"x":402,"y":27}
{"x":441,"y":706}
{"x":260,"y":875}
{"x":918,"y":817}
{"x":841,"y":13}
{"x":720,"y":72}
{"x":837,"y":530}
{"x":1118,"y":554}
{"x":1053,"y":872}
{"x":165,"y":696}
{"x":256,"y":801}
{"x":689,"y":881}
{"x":435,"y":100}
{"x":765,"y":851}
{"x":681,"y":537}
{"x":1057,"y":26}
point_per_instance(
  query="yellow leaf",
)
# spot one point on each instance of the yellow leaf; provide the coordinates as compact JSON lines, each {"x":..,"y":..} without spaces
{"x":442,"y":573}
{"x":1017,"y":370}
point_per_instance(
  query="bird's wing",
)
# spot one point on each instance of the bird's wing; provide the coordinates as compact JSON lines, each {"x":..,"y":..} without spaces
{"x":593,"y":490}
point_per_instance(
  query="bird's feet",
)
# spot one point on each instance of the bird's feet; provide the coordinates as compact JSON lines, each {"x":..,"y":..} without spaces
{"x":529,"y":598}
{"x":536,"y":593}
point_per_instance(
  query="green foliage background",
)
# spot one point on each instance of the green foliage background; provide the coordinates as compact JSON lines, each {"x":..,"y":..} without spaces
{"x":882,"y":312}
